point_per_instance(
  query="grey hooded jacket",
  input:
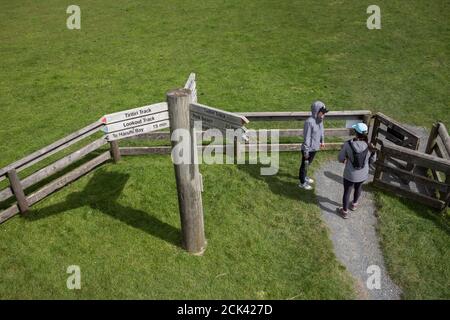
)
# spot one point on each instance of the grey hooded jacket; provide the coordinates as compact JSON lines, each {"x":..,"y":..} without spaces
{"x":350,"y":173}
{"x":313,"y":133}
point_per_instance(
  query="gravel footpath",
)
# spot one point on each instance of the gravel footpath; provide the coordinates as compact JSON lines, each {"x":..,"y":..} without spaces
{"x":355,"y":240}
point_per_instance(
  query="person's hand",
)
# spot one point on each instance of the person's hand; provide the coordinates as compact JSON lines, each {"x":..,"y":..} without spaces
{"x":372,"y":147}
{"x":306,"y":156}
{"x":322,"y":145}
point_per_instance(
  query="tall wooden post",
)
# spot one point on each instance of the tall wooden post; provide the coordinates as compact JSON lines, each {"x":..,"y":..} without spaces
{"x":187,"y":176}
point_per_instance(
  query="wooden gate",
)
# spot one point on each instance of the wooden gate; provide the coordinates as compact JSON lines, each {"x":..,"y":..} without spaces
{"x":403,"y":170}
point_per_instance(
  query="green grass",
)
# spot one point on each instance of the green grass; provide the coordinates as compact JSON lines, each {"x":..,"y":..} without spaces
{"x":249,"y":56}
{"x":120,"y":224}
{"x":416,"y":247}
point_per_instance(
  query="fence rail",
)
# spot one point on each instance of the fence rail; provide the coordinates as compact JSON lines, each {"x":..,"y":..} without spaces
{"x":289,"y":116}
{"x":18,"y":186}
{"x":438,"y":200}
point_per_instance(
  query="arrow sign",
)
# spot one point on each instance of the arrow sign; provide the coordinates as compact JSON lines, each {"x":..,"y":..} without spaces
{"x":136,"y":121}
{"x":213,"y":118}
{"x":216,"y":118}
{"x":134,"y":113}
{"x":137,"y":130}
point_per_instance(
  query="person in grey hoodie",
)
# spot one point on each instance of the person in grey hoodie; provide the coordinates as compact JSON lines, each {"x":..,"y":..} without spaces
{"x":357,"y":154}
{"x":313,"y":140}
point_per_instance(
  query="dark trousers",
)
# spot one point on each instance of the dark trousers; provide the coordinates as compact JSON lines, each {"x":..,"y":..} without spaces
{"x":303,"y":171}
{"x":348,"y":186}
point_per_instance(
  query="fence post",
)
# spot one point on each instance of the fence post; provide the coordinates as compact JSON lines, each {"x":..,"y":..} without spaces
{"x":376,"y":125}
{"x":115,"y":151}
{"x":187,"y":176}
{"x":367,"y":119}
{"x":17,"y":189}
{"x":432,"y":138}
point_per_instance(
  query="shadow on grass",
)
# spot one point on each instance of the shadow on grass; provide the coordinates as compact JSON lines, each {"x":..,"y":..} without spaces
{"x":284,"y":184}
{"x":439,"y":218}
{"x":101,"y":193}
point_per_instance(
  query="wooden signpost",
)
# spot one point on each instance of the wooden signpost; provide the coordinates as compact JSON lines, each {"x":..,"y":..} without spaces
{"x":128,"y":123}
{"x":187,"y":176}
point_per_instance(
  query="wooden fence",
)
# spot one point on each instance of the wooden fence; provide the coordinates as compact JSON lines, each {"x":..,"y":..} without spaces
{"x":363,"y":115}
{"x":401,"y":159}
{"x":438,"y":200}
{"x":17,"y":187}
{"x":439,"y":141}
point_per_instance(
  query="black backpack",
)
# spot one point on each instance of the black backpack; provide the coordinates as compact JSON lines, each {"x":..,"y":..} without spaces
{"x":359,"y":158}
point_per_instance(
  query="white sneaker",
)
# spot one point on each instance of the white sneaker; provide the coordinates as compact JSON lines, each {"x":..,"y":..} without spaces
{"x":305,"y":186}
{"x":309,"y":180}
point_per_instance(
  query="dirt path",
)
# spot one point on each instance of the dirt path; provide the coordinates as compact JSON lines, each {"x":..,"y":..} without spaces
{"x":355,"y":240}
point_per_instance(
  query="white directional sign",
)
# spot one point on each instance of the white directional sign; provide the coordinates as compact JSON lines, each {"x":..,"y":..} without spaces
{"x":216,"y":118}
{"x":212,"y":118}
{"x":191,"y":84}
{"x":136,"y":121}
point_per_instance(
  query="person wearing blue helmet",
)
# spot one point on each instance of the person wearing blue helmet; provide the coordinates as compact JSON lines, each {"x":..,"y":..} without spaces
{"x":357,"y":154}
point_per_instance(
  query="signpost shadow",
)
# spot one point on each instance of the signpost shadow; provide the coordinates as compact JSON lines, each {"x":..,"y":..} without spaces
{"x":101,"y":193}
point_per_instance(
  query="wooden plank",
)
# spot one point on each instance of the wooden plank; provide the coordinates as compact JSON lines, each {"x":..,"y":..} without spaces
{"x":155,"y":135}
{"x":418,"y":158}
{"x":408,"y":176}
{"x":332,"y":132}
{"x":443,"y":134}
{"x":17,"y":189}
{"x":51,"y":149}
{"x":390,"y":137}
{"x":439,"y":149}
{"x":9,"y":213}
{"x":424,"y":199}
{"x":134,"y":151}
{"x":303,"y":115}
{"x":376,"y":126}
{"x":6,"y":194}
{"x":432,"y":138}
{"x":391,"y":123}
{"x":67,"y":178}
{"x":62,"y":163}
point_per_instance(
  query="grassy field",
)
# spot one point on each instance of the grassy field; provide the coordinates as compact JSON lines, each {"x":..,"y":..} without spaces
{"x":265,"y":237}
